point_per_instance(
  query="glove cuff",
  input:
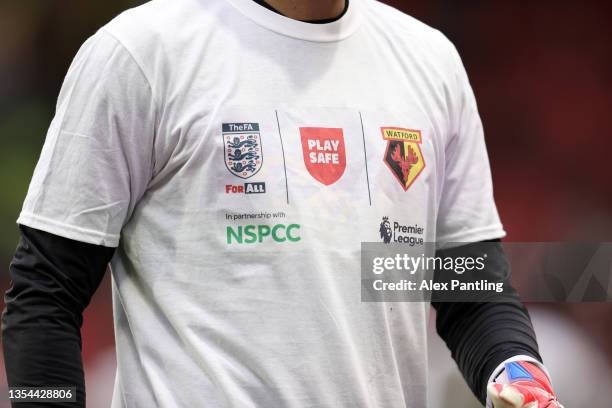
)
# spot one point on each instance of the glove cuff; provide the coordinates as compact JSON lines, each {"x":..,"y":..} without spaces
{"x":502,"y":366}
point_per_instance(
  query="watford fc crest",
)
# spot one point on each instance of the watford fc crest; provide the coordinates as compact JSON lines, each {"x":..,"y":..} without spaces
{"x":242,"y":148}
{"x":403,"y":155}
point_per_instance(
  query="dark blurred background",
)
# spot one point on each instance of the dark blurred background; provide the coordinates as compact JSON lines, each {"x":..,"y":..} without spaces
{"x":542,"y":74}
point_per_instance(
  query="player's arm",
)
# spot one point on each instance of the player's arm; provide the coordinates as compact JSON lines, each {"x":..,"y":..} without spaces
{"x":494,"y":341}
{"x":95,"y":165}
{"x":52,"y":281}
{"x":481,"y":335}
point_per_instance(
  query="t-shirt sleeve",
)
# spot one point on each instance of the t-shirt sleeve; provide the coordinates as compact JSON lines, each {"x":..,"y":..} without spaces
{"x":96,"y":160}
{"x":467,"y":211}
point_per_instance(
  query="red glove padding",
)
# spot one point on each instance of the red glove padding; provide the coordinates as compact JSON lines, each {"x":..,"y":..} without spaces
{"x":522,"y":385}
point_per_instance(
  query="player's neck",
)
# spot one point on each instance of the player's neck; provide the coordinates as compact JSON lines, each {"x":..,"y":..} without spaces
{"x":308,"y":10}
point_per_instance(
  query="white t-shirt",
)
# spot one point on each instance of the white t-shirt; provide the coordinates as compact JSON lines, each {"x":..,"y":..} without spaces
{"x":237,"y":159}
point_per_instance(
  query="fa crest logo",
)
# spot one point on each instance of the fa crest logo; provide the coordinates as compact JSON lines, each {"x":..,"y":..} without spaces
{"x":403,"y":155}
{"x":385,"y":230}
{"x":242,"y":148}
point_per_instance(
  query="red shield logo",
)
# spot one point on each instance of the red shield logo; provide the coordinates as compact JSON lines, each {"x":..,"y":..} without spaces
{"x":324,"y":153}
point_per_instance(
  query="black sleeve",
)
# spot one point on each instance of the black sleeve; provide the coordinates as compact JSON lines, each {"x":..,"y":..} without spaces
{"x":481,"y":335}
{"x":53,"y":279}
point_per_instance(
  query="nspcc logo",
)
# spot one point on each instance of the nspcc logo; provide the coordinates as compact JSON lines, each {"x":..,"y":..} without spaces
{"x":257,"y":234}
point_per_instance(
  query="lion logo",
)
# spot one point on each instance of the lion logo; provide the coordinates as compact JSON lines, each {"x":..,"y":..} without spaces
{"x":385,"y":230}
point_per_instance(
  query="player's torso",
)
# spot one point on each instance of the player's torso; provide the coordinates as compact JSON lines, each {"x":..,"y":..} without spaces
{"x":274,"y":159}
{"x":283,"y":143}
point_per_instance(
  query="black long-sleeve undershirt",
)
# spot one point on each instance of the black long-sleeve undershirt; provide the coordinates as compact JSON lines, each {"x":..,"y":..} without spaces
{"x":53,"y":279}
{"x":481,"y":335}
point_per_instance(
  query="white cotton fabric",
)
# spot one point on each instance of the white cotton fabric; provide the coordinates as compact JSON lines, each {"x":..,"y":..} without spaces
{"x":134,"y":159}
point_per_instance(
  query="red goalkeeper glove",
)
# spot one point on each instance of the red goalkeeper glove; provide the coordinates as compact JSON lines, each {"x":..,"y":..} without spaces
{"x":522,"y":385}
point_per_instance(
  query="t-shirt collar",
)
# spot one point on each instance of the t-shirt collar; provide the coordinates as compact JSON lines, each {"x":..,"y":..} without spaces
{"x":328,"y":32}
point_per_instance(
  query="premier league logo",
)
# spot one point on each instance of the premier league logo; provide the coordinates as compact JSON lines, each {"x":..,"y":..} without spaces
{"x":385,"y":230}
{"x":242,"y":148}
